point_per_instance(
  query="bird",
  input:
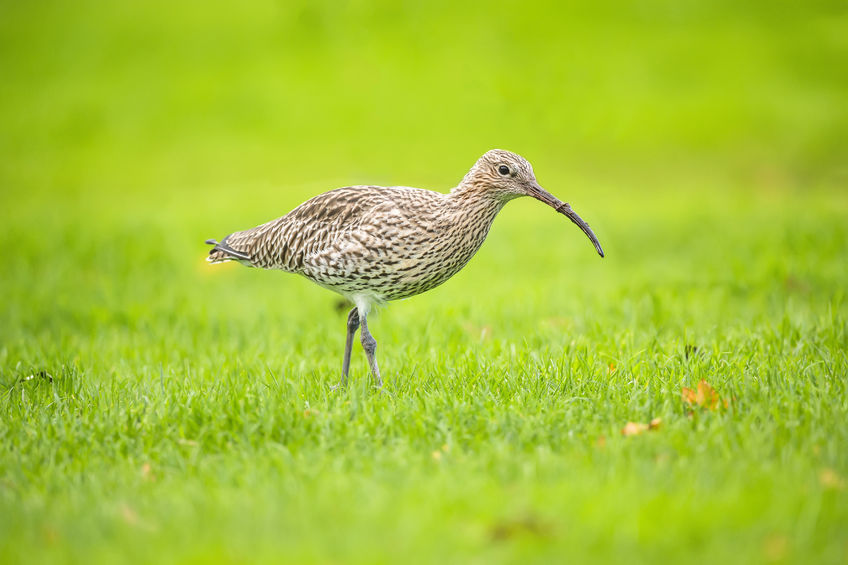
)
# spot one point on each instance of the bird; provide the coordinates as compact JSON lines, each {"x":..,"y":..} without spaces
{"x":374,"y":244}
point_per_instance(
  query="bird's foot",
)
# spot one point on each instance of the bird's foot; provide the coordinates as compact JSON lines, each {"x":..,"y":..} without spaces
{"x":378,"y":385}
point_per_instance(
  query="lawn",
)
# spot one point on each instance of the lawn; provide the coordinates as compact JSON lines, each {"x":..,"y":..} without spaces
{"x":157,"y":409}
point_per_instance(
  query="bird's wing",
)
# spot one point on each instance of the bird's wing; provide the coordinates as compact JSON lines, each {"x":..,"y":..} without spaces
{"x":328,"y":222}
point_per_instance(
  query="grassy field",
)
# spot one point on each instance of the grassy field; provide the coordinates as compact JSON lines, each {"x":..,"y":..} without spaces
{"x":157,"y":409}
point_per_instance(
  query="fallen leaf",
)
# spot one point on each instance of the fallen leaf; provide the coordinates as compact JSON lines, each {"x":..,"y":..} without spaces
{"x":831,"y":479}
{"x":637,"y":428}
{"x":147,"y":472}
{"x":527,"y":525}
{"x":634,"y":428}
{"x":705,"y":396}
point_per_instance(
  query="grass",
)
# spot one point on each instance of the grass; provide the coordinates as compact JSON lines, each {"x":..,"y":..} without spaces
{"x":157,"y":409}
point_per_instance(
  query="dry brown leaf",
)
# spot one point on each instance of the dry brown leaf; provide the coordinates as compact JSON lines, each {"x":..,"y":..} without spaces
{"x":705,"y":396}
{"x":147,"y":472}
{"x":441,"y":452}
{"x":634,"y":428}
{"x":527,"y":525}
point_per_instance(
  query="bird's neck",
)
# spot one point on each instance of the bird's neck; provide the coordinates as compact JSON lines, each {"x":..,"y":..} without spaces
{"x":473,"y":201}
{"x":472,"y":209}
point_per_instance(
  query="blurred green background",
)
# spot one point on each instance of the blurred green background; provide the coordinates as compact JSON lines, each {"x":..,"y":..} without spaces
{"x":705,"y":142}
{"x":136,"y":130}
{"x":128,"y":102}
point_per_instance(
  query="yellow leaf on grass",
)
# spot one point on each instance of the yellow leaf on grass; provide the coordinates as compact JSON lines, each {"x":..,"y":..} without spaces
{"x":437,"y":454}
{"x":636,"y":428}
{"x":830,"y":479}
{"x":705,"y":396}
{"x":147,"y":472}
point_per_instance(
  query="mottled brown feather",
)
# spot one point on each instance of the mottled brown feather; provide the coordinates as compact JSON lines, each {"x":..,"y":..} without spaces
{"x":373,"y":244}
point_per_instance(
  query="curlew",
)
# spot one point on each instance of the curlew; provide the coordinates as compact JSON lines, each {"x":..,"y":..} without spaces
{"x":373,"y":244}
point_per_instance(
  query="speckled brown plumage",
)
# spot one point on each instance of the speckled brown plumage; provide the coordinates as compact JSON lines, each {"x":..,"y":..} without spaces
{"x":373,"y":244}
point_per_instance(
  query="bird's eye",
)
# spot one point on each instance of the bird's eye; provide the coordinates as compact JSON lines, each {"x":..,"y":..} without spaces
{"x":503,"y":170}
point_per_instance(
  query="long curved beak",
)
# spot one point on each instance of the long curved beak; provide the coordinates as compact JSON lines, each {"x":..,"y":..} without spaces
{"x":540,"y":193}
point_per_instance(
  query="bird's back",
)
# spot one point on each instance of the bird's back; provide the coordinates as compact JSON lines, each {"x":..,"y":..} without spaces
{"x":318,"y":224}
{"x":387,"y":242}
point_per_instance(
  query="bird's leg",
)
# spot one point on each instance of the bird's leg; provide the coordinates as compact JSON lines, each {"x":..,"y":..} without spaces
{"x":352,"y":326}
{"x":369,"y":344}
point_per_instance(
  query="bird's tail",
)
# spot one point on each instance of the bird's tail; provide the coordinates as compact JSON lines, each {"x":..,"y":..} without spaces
{"x":223,"y":252}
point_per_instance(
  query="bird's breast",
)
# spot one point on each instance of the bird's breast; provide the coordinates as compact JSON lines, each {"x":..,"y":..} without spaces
{"x":403,"y":255}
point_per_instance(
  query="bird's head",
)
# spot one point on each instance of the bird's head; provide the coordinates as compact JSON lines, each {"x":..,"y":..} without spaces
{"x":505,"y":175}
